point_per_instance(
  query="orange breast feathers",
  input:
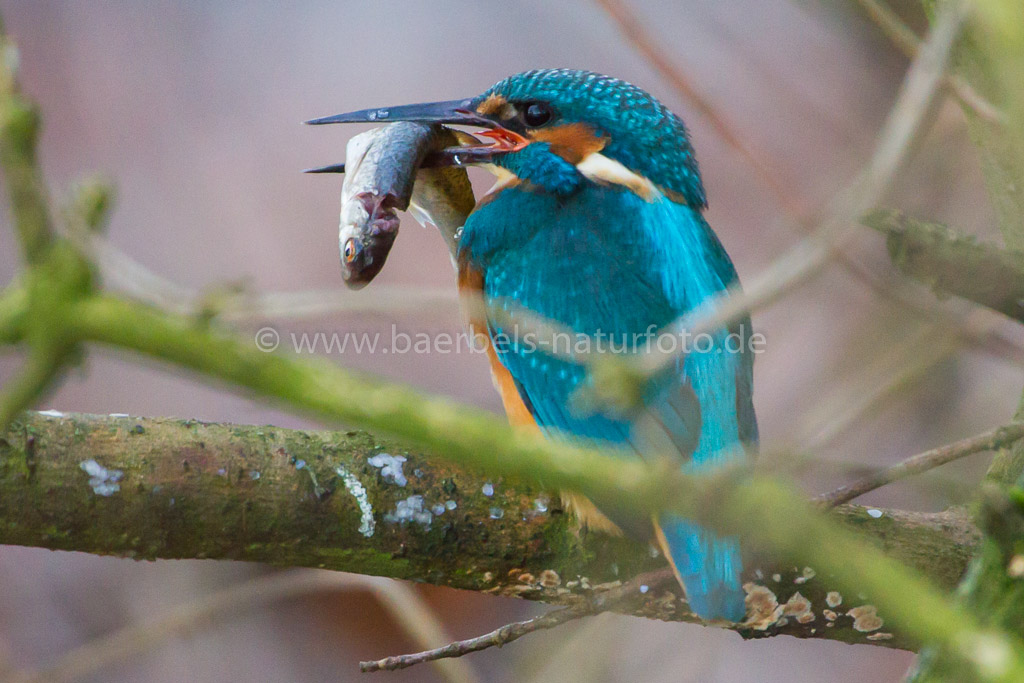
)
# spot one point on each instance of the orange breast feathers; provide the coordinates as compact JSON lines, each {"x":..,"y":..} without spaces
{"x":471,"y":285}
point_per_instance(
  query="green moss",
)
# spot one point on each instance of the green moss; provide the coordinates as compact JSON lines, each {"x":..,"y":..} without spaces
{"x":367,"y":561}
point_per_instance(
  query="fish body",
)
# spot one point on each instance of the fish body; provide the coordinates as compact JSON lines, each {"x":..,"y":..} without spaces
{"x":383,"y":175}
{"x":379,"y":173}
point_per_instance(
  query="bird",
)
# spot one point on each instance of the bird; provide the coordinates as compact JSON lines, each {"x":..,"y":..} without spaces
{"x":596,"y":223}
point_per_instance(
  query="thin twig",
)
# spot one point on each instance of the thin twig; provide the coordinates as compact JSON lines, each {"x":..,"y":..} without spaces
{"x":138,"y":281}
{"x":605,"y":601}
{"x":656,"y":56}
{"x":895,"y":30}
{"x":806,"y":258}
{"x":497,"y":638}
{"x":631,"y":28}
{"x":306,"y":304}
{"x":908,"y":43}
{"x":419,"y":621}
{"x":995,"y":439}
{"x":185,"y":620}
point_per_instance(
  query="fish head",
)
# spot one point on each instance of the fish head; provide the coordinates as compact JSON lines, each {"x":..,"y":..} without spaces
{"x":366,"y":240}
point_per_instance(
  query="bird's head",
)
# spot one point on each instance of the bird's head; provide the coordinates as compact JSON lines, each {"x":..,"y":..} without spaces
{"x":550,"y":126}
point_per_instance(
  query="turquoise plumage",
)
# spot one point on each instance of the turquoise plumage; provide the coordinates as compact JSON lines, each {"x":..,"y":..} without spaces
{"x":602,"y":260}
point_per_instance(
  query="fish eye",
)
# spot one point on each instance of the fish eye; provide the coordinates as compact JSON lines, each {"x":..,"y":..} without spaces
{"x":536,"y":114}
{"x":351,"y":250}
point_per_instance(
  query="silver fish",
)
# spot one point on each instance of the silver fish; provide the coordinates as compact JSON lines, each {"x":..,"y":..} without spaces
{"x":391,"y":169}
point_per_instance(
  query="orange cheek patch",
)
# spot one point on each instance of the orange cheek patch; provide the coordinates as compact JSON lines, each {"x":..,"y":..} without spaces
{"x":574,"y":142}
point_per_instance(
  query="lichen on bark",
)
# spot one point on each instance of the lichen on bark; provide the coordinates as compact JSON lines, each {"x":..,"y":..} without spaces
{"x":150,"y":488}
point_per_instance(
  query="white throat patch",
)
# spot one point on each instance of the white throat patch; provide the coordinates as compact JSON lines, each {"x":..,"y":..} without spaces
{"x":602,"y":169}
{"x":596,"y":167}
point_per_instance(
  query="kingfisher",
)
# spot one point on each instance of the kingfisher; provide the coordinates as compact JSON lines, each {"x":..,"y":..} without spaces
{"x":596,"y":223}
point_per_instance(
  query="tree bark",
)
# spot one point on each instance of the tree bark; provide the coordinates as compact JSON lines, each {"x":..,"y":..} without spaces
{"x":151,"y":488}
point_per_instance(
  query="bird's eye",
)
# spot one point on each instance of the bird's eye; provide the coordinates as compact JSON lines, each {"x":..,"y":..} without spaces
{"x":351,"y":250}
{"x":536,"y":114}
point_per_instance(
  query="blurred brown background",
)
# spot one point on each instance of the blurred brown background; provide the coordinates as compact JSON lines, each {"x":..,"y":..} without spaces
{"x":193,"y":109}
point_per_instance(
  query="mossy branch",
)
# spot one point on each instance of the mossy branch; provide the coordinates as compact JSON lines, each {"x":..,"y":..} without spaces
{"x":952,"y":264}
{"x":164,"y":488}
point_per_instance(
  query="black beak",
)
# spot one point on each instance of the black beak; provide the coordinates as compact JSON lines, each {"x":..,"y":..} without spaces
{"x":454,"y":112}
{"x":333,"y":168}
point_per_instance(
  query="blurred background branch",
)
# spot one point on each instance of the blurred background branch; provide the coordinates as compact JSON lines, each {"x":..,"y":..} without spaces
{"x":631,"y":28}
{"x":811,"y":254}
{"x":953,"y":265}
{"x":904,"y":38}
{"x":186,"y":621}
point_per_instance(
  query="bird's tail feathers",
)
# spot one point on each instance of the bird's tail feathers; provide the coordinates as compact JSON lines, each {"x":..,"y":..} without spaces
{"x":707,"y":566}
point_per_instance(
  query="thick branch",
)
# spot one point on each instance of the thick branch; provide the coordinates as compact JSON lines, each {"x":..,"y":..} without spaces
{"x":954,"y":265}
{"x":162,"y":488}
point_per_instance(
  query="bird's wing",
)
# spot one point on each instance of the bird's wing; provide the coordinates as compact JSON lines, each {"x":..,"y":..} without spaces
{"x":621,"y":267}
